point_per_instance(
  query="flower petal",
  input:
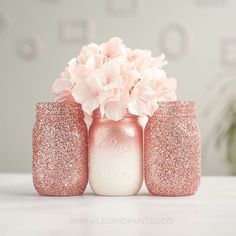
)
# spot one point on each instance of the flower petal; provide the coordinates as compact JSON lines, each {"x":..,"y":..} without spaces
{"x":81,"y":92}
{"x":95,"y":81}
{"x":87,"y":119}
{"x":116,"y":110}
{"x":61,"y":85}
{"x":111,"y":68}
{"x":147,"y":94}
{"x":90,"y":105}
{"x":115,"y":82}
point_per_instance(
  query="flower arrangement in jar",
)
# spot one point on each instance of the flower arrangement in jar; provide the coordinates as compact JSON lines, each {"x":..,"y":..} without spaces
{"x":115,"y":86}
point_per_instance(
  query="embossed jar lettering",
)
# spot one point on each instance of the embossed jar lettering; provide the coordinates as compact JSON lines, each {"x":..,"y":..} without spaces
{"x":115,"y":155}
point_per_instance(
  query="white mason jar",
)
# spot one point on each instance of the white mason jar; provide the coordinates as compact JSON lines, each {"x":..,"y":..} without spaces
{"x":115,"y":155}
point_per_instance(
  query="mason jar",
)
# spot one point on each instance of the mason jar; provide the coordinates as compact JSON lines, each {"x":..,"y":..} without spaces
{"x":172,"y":150}
{"x":115,"y":155}
{"x":60,"y":149}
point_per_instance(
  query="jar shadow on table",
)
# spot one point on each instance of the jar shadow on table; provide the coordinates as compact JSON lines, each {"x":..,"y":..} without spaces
{"x":21,"y":191}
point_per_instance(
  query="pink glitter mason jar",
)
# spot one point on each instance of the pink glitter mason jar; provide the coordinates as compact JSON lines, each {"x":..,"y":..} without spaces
{"x":115,"y":156}
{"x":60,"y":149}
{"x":172,"y":147}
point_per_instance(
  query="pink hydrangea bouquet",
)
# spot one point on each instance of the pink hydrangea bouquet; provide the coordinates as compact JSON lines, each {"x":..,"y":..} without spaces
{"x":115,"y":79}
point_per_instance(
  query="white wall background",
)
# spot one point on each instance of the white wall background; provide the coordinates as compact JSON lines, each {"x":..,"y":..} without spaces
{"x":38,"y":37}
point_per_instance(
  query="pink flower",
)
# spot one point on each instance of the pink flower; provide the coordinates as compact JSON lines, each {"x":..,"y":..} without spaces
{"x":114,"y":48}
{"x":142,"y":100}
{"x":88,"y":52}
{"x":116,"y":109}
{"x":108,"y":77}
{"x":153,"y":86}
{"x":158,"y":62}
{"x":80,"y":72}
{"x":166,"y":89}
{"x":130,"y":75}
{"x":99,"y":87}
{"x":62,"y":86}
{"x":84,"y":95}
{"x":142,"y":59}
{"x":139,"y":58}
{"x":115,"y":79}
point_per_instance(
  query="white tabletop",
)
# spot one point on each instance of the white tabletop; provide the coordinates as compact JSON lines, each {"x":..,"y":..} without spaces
{"x":212,"y":211}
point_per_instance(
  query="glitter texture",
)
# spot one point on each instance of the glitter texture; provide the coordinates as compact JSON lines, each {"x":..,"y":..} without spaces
{"x":60,"y":149}
{"x":115,"y":156}
{"x":172,"y":150}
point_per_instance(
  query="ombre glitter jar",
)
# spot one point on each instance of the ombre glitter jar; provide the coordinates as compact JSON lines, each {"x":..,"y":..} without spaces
{"x":115,"y":156}
{"x":60,"y":149}
{"x":172,"y":147}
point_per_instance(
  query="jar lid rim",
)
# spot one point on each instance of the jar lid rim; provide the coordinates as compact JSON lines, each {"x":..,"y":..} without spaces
{"x":57,"y":108}
{"x":173,"y":108}
{"x":97,"y":113}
